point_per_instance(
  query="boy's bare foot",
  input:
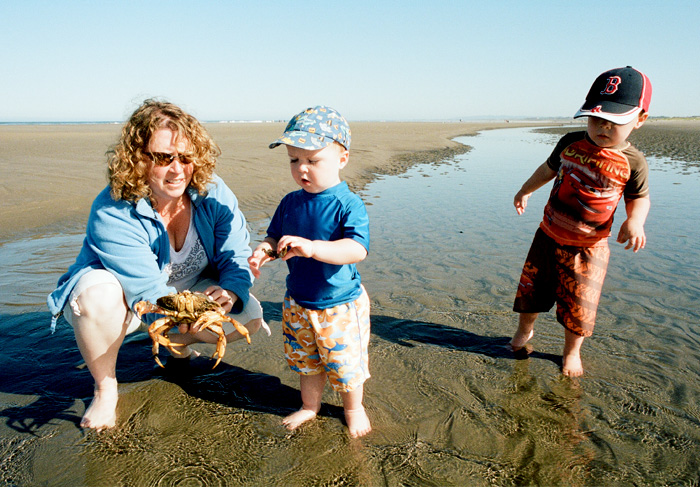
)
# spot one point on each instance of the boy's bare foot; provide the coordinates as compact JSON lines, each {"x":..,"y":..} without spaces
{"x":294,"y":420}
{"x":358,"y":422}
{"x":102,"y":413}
{"x":520,"y":341}
{"x":572,"y":366}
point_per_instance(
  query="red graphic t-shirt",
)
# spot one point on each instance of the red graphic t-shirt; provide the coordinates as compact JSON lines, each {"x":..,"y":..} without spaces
{"x":589,"y":184}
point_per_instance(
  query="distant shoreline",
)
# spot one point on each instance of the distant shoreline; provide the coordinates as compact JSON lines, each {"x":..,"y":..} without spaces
{"x":485,"y":120}
{"x":56,"y":170}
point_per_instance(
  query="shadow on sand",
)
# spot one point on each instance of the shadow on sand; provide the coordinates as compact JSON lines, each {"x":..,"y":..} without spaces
{"x":407,"y":332}
{"x":50,"y":369}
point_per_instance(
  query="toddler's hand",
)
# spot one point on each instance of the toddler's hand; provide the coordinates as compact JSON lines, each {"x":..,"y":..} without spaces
{"x":632,"y":233}
{"x":520,"y":201}
{"x":296,"y":247}
{"x":257,"y":260}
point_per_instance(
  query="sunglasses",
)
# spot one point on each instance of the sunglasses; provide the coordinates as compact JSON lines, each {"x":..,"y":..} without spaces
{"x":164,"y":159}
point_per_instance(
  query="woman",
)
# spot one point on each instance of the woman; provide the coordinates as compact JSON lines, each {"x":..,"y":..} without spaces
{"x":164,"y":223}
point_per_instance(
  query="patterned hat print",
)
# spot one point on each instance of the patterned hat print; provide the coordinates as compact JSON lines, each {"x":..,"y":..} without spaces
{"x":315,"y":128}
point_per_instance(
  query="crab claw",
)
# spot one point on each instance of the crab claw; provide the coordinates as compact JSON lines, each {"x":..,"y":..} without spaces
{"x":143,"y":307}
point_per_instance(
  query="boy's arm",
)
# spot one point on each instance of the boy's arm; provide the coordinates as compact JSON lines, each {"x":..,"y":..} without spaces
{"x":539,"y":178}
{"x":337,"y":252}
{"x":632,"y":230}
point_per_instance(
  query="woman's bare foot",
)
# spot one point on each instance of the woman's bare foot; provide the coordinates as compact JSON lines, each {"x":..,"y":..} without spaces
{"x":294,"y":420}
{"x":358,"y":422}
{"x":572,"y":366}
{"x":102,"y":413}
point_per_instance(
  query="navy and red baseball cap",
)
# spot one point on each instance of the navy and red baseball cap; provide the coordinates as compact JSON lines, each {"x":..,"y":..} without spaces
{"x":618,"y":95}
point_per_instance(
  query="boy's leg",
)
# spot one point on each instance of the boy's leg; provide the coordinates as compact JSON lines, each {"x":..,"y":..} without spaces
{"x":343,"y":337}
{"x":526,"y":329}
{"x":301,"y":353}
{"x":571,"y":358}
{"x":536,"y":288}
{"x":311,"y":394}
{"x":577,"y":299}
{"x":355,"y":415}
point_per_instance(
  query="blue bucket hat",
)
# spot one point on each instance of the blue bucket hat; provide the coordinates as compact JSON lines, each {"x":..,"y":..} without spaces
{"x":315,"y":128}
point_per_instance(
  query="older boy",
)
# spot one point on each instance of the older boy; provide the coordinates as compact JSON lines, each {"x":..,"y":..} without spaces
{"x":322,"y":231}
{"x":568,"y":259}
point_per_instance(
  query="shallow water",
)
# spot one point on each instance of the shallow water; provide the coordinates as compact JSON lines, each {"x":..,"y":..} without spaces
{"x":449,"y":405}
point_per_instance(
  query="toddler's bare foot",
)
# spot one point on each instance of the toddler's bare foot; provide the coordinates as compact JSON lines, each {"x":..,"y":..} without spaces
{"x":294,"y":420}
{"x":358,"y":422}
{"x":102,"y":413}
{"x":519,"y":341}
{"x":572,"y":366}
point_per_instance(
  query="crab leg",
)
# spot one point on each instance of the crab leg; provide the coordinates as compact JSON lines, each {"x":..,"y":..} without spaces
{"x":220,"y":343}
{"x":145,"y":307}
{"x":210,"y":321}
{"x":156,"y":325}
{"x":213,"y":317}
{"x":239,"y":328}
{"x":158,"y":333}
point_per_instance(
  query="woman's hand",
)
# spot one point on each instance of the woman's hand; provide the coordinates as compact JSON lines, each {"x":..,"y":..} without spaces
{"x":223,"y":297}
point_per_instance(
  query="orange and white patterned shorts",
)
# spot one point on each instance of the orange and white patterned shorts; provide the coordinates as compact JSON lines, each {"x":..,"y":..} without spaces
{"x":333,"y":340}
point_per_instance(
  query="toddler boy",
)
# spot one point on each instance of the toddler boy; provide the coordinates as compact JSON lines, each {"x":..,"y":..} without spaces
{"x":322,"y":231}
{"x":568,"y":259}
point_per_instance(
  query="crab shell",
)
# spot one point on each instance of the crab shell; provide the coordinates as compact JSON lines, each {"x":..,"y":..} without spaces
{"x":185,"y":306}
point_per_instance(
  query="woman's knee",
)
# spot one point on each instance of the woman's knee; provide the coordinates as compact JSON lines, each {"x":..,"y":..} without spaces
{"x":254,"y":325}
{"x":100,"y":301}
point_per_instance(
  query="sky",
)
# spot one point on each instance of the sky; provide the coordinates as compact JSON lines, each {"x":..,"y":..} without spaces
{"x":72,"y":61}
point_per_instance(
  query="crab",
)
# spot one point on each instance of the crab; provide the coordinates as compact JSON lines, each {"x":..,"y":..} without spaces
{"x":187,"y":308}
{"x":274,"y":254}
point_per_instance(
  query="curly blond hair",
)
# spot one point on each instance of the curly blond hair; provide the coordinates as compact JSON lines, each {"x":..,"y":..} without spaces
{"x":128,"y":166}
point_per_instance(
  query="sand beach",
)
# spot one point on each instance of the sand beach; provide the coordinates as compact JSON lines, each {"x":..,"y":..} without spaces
{"x":53,"y":172}
{"x":449,"y":404}
{"x":57,"y":170}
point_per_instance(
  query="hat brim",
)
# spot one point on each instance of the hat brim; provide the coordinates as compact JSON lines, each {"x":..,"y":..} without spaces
{"x":612,"y":112}
{"x":303,"y":140}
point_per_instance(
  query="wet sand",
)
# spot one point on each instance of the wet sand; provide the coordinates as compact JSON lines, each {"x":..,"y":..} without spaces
{"x":447,"y":402}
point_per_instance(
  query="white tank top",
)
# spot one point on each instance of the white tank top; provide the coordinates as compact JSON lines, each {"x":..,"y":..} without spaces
{"x":187,"y":264}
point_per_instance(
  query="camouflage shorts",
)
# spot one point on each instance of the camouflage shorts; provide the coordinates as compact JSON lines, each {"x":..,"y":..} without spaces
{"x":571,"y":277}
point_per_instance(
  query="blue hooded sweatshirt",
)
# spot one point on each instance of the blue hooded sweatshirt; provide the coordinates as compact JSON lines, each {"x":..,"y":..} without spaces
{"x":130,"y":240}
